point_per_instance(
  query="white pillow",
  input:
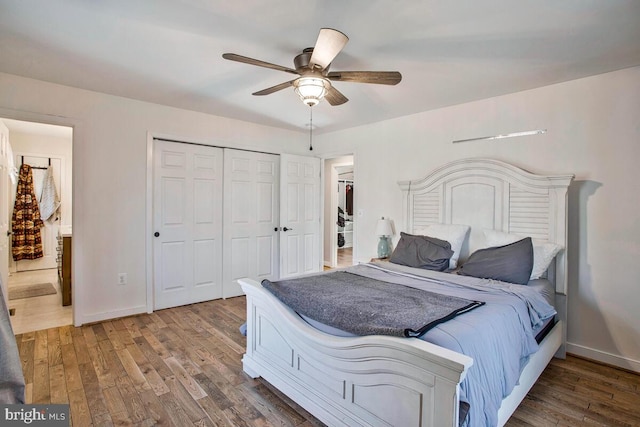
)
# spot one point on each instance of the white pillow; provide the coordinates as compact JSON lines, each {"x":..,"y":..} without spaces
{"x":543,"y":252}
{"x":452,"y":233}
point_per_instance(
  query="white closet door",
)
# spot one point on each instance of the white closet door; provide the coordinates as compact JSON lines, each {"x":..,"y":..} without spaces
{"x":187,"y":215}
{"x":251,"y":203}
{"x":299,"y":215}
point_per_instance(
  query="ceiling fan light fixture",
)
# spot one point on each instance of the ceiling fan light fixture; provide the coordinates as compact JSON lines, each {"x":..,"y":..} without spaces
{"x":311,"y":89}
{"x":312,"y":68}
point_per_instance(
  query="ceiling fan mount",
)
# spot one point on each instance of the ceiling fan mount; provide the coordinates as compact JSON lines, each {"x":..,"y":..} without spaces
{"x":312,"y":67}
{"x":301,"y":61}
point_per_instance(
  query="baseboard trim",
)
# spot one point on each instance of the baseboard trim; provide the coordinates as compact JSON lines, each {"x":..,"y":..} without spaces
{"x":604,"y":357}
{"x":108,"y":315}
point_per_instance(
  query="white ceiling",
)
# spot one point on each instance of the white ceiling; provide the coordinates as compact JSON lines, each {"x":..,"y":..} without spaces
{"x":32,"y":128}
{"x":169,"y":51}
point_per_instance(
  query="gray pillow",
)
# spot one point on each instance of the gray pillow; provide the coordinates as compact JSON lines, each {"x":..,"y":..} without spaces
{"x":510,"y":263}
{"x":422,"y":252}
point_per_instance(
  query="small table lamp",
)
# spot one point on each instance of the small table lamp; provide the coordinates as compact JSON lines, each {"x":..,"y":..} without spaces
{"x":383,"y":229}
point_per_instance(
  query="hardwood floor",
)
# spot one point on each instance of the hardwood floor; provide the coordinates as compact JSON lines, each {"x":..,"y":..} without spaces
{"x":181,"y":367}
{"x":345,"y":257}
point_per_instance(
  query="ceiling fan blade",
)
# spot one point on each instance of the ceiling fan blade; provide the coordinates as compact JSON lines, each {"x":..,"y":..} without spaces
{"x":334,"y":97}
{"x":275,"y":88}
{"x":251,"y":61}
{"x":376,"y":77}
{"x":329,"y":44}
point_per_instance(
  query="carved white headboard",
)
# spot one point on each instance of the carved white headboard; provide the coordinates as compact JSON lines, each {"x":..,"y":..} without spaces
{"x":490,"y":194}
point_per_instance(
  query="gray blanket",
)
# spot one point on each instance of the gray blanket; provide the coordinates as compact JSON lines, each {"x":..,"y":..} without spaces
{"x":366,"y":306}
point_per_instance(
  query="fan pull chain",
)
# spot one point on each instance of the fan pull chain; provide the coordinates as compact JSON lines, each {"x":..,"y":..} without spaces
{"x":310,"y":128}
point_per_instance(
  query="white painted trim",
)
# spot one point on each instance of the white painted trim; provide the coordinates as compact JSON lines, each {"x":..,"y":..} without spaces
{"x":322,"y":202}
{"x":333,"y":243}
{"x":604,"y":357}
{"x":149,"y":224}
{"x":114,"y":314}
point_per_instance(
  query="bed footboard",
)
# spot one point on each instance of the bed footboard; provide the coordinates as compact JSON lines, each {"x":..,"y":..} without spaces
{"x":362,"y":381}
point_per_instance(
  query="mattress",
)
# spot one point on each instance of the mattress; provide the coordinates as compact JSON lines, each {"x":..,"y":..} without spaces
{"x":547,"y":290}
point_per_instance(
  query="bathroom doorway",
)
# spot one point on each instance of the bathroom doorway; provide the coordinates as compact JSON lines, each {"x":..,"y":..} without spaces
{"x":38,"y":297}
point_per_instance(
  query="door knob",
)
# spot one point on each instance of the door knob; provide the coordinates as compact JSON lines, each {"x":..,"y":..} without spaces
{"x":275,"y":228}
{"x":156,"y":234}
{"x":287,"y":229}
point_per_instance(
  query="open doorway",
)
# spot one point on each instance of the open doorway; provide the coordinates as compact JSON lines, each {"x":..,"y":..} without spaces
{"x":339,"y":212}
{"x":39,"y":295}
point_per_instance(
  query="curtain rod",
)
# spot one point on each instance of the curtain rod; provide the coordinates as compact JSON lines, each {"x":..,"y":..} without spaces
{"x":506,"y":135}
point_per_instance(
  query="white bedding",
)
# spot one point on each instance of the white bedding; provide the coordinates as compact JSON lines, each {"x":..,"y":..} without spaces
{"x":499,"y":336}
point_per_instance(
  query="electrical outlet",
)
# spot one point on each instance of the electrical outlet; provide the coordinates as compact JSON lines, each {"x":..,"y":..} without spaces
{"x":122,"y":278}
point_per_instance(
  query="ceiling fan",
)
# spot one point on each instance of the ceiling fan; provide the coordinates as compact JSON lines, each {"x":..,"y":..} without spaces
{"x":312,"y":67}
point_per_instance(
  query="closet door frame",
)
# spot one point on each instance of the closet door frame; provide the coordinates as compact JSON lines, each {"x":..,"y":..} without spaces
{"x":329,"y":202}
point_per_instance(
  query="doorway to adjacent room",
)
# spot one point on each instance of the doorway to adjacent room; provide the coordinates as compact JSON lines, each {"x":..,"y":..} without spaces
{"x":339,"y":212}
{"x":38,"y":295}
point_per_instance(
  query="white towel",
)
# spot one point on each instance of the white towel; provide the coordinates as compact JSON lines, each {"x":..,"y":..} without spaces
{"x":49,"y":200}
{"x":11,"y":167}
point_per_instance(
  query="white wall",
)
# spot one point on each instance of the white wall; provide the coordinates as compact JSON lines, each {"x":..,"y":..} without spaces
{"x":593,"y":132}
{"x":110,"y":178}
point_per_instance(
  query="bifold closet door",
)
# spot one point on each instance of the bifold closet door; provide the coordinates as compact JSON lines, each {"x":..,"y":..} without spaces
{"x":187,"y":223}
{"x":299,"y":215}
{"x":251,"y":218}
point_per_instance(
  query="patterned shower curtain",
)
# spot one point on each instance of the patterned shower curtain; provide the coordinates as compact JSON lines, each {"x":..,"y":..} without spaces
{"x":26,"y":222}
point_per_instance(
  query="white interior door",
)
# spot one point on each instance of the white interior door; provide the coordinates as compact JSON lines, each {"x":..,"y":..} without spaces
{"x":4,"y":211}
{"x":49,"y":232}
{"x":251,"y":218}
{"x":187,"y":216}
{"x":299,"y":215}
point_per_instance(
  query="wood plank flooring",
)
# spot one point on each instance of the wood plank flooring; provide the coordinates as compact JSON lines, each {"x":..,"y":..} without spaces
{"x":181,"y":367}
{"x":345,"y":257}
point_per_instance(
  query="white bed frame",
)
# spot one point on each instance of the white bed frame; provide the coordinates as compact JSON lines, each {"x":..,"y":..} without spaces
{"x":389,"y":381}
